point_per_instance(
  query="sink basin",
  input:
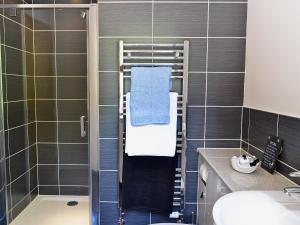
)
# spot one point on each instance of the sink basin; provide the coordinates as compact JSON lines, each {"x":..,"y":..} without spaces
{"x":257,"y":208}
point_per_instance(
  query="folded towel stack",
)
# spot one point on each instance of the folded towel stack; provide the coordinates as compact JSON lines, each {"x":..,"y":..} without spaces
{"x":153,"y":139}
{"x":150,"y":100}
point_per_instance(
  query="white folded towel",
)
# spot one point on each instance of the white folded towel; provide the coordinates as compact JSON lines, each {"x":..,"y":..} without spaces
{"x":154,"y":139}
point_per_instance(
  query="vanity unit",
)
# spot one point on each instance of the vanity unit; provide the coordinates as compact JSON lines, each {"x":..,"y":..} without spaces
{"x":217,"y":178}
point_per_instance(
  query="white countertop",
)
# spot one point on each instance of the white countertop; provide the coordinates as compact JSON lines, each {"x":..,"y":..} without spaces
{"x":219,"y":160}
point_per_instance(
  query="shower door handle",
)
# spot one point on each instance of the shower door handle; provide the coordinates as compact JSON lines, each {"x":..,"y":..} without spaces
{"x":82,"y":126}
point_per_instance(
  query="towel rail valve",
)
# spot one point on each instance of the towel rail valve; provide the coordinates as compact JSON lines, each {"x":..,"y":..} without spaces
{"x":183,"y":130}
{"x":121,"y":114}
{"x":121,"y":219}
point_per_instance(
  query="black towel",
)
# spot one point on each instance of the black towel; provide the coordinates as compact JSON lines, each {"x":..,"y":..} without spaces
{"x":148,"y":183}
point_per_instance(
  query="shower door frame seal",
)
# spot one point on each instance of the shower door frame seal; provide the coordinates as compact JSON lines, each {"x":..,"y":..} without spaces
{"x":93,"y":93}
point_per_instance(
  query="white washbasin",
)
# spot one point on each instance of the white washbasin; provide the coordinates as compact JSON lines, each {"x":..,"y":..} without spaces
{"x":257,"y":208}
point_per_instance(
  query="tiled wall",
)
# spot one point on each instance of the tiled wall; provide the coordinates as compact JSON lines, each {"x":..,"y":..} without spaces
{"x":19,"y":109}
{"x":258,"y":125}
{"x":60,"y":50}
{"x":2,"y":158}
{"x":217,"y":34}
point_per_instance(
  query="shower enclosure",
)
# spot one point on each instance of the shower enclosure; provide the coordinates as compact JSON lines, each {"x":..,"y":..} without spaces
{"x":49,"y":114}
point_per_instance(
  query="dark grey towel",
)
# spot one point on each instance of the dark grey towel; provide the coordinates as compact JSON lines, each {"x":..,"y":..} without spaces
{"x":148,"y":183}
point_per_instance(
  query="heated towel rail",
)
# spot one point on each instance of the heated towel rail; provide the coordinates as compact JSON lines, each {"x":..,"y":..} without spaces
{"x":175,"y":55}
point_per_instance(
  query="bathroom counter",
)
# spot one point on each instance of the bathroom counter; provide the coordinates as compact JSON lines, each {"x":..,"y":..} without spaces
{"x":219,"y":160}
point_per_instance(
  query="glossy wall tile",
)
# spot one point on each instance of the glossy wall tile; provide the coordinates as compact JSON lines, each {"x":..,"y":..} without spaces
{"x":216,"y":65}
{"x":258,"y":125}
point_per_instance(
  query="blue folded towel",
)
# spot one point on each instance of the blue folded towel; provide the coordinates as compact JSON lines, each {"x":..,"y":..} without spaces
{"x":150,"y":97}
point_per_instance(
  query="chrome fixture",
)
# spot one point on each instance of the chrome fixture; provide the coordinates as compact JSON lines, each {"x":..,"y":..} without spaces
{"x":83,"y":14}
{"x":295,"y":174}
{"x":293,"y":190}
{"x":82,"y":126}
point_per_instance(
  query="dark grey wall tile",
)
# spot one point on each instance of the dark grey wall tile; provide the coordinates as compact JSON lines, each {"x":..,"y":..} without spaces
{"x":69,"y":132}
{"x":70,"y":19}
{"x":19,"y":189}
{"x":32,"y":133}
{"x":71,"y":42}
{"x":191,"y":184}
{"x":190,"y":211}
{"x":2,"y":205}
{"x":108,"y":88}
{"x":245,"y":146}
{"x":192,"y":154}
{"x":226,"y":55}
{"x":19,"y":134}
{"x":289,"y":130}
{"x":197,"y":89}
{"x":46,"y":131}
{"x":3,"y":221}
{"x":195,"y":123}
{"x":108,"y":122}
{"x":67,"y":85}
{"x":70,"y":110}
{"x":245,"y":127}
{"x":44,"y":41}
{"x":15,"y":88}
{"x":29,"y":59}
{"x":45,"y":65}
{"x":13,"y":34}
{"x":30,"y":88}
{"x":181,"y":20}
{"x":29,"y":41}
{"x":223,"y":123}
{"x":18,"y":164}
{"x":73,"y":175}
{"x":16,"y":114}
{"x":13,"y":61}
{"x":20,"y":206}
{"x":74,"y":190}
{"x":227,"y":20}
{"x":48,"y":190}
{"x":108,"y":154}
{"x":73,"y":153}
{"x":262,"y":125}
{"x":225,"y":89}
{"x":46,"y":110}
{"x":125,"y":19}
{"x":47,"y":153}
{"x":109,"y":186}
{"x":222,"y":143}
{"x":45,"y":87}
{"x":44,"y":19}
{"x":32,"y":156}
{"x":48,"y":174}
{"x":109,"y":213}
{"x":31,"y":111}
{"x":137,"y":217}
{"x":71,"y":65}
